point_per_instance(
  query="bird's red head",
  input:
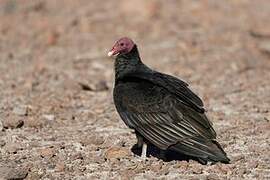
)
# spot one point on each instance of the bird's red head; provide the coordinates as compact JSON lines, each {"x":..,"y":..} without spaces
{"x":122,"y":46}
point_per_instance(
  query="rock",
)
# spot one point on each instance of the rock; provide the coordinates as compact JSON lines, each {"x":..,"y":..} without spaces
{"x":85,"y":87}
{"x":60,"y":167}
{"x":18,"y":174}
{"x":4,"y":172}
{"x":156,"y":167}
{"x":212,"y":177}
{"x":267,"y":118}
{"x":2,"y":143}
{"x":49,"y":117}
{"x":39,"y":6}
{"x":12,"y":147}
{"x":197,"y":169}
{"x":13,"y":173}
{"x":74,"y":22}
{"x":241,"y":172}
{"x":77,"y":156}
{"x":34,"y":122}
{"x":239,"y":157}
{"x":116,"y":153}
{"x":78,"y":146}
{"x":52,"y":38}
{"x":253,"y":164}
{"x":101,"y":86}
{"x":224,"y":168}
{"x":12,"y":122}
{"x":1,"y":125}
{"x":21,"y":110}
{"x":264,"y":47}
{"x":90,"y":140}
{"x":47,"y":152}
{"x":260,"y":32}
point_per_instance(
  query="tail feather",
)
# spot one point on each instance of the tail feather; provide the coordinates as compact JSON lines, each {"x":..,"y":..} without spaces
{"x":224,"y":158}
{"x":209,"y":150}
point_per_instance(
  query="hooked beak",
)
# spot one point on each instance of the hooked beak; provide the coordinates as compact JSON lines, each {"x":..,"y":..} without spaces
{"x":113,"y":52}
{"x":110,"y":53}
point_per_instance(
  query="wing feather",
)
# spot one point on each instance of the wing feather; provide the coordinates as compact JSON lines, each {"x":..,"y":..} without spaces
{"x":165,"y":121}
{"x":175,"y":86}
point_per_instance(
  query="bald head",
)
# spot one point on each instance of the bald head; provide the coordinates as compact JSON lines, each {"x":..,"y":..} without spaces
{"x":122,"y":46}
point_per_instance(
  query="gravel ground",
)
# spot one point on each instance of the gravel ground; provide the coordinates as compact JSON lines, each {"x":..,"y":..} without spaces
{"x":57,"y":118}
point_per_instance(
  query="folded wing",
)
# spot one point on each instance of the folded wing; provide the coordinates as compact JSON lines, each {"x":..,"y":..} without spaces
{"x":166,"y":120}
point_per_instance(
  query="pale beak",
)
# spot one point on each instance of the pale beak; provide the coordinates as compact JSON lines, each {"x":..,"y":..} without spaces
{"x":113,"y":52}
{"x":110,"y":53}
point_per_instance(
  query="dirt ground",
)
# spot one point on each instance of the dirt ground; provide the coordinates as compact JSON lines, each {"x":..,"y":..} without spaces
{"x":57,"y":118}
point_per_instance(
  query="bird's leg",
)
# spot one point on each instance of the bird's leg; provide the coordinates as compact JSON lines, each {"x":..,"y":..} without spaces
{"x":144,"y":150}
{"x":141,"y":144}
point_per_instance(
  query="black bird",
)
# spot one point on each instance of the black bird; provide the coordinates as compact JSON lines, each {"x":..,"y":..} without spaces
{"x":161,"y":109}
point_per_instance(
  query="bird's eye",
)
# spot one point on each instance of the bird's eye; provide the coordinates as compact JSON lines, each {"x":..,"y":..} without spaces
{"x":121,"y":44}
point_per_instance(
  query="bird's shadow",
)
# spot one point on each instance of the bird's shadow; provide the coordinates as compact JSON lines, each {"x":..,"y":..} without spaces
{"x":167,"y":156}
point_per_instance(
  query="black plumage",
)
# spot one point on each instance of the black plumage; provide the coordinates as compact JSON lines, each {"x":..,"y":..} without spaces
{"x":160,"y":108}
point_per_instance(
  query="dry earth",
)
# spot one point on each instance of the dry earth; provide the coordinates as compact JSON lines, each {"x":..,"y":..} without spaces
{"x":57,"y":118}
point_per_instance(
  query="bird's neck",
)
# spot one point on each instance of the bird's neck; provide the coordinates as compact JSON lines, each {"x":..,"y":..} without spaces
{"x":127,"y":63}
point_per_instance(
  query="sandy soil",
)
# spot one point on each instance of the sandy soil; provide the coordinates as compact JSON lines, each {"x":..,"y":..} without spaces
{"x":52,"y":127}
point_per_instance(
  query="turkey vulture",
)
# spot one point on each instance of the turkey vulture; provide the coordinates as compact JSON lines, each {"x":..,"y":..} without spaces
{"x":161,"y":108}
